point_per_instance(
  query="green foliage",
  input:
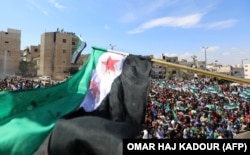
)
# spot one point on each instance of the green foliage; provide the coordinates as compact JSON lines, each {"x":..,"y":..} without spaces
{"x":73,"y":70}
{"x":184,"y":75}
{"x":169,"y":74}
{"x":28,"y":68}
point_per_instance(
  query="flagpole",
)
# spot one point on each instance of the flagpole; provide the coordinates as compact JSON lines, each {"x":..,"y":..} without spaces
{"x":197,"y":70}
{"x":222,"y":76}
{"x":118,"y":52}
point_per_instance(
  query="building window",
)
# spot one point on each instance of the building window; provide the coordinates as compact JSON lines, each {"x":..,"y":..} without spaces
{"x":6,"y":41}
{"x":73,"y":43}
{"x":35,"y":49}
{"x":64,"y":40}
{"x":64,"y":50}
{"x":63,"y":61}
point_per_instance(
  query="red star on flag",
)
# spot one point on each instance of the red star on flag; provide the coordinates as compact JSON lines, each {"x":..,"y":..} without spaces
{"x":94,"y":88}
{"x":110,"y":64}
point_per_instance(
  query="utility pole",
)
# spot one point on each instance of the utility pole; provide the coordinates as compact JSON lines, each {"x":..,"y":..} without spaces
{"x":215,"y":63}
{"x":205,"y":49}
{"x":194,"y":60}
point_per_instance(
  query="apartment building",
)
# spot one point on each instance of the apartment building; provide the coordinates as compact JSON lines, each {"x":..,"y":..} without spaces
{"x":158,"y":71}
{"x":30,"y":53}
{"x":246,"y":71}
{"x":10,"y":42}
{"x":55,"y":54}
{"x":226,"y":70}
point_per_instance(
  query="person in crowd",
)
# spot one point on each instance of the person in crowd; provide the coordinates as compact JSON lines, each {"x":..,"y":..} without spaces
{"x":197,"y":109}
{"x":189,"y":109}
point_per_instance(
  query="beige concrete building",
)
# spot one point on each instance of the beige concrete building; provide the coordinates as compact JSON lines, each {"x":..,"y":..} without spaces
{"x":237,"y":71}
{"x":172,"y":73}
{"x":158,"y":71}
{"x":55,"y":54}
{"x":246,"y":71}
{"x":226,"y":70}
{"x":176,"y":73}
{"x":30,"y":53}
{"x":10,"y":42}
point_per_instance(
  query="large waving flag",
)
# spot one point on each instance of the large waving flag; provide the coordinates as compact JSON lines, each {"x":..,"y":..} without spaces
{"x":28,"y":117}
{"x":112,"y":110}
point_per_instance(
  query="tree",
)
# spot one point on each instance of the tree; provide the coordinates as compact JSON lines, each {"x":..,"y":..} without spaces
{"x":23,"y":67}
{"x":184,"y":75}
{"x":73,"y":70}
{"x":169,"y":74}
{"x":28,"y":68}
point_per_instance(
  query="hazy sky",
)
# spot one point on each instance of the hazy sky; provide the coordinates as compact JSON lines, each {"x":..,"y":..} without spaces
{"x":173,"y":27}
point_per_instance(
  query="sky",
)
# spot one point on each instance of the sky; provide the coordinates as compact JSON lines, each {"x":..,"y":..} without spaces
{"x":218,"y":30}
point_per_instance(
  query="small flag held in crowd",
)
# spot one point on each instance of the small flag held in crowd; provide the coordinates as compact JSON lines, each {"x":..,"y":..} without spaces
{"x":81,"y":45}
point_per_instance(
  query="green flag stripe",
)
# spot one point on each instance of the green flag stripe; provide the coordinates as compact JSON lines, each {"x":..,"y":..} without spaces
{"x":27,"y":117}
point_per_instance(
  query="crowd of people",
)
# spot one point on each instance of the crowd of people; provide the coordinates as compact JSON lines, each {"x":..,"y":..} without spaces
{"x":13,"y":84}
{"x":196,"y":109}
{"x":193,"y":109}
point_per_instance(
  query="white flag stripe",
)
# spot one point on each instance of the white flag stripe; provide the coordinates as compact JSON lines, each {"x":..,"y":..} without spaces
{"x":104,"y":75}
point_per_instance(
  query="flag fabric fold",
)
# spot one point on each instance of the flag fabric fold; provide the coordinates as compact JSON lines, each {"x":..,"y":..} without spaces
{"x":27,"y":117}
{"x":99,"y":127}
{"x":89,"y":113}
{"x":109,"y":66}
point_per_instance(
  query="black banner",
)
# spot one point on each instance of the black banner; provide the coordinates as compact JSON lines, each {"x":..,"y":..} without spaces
{"x":162,"y":146}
